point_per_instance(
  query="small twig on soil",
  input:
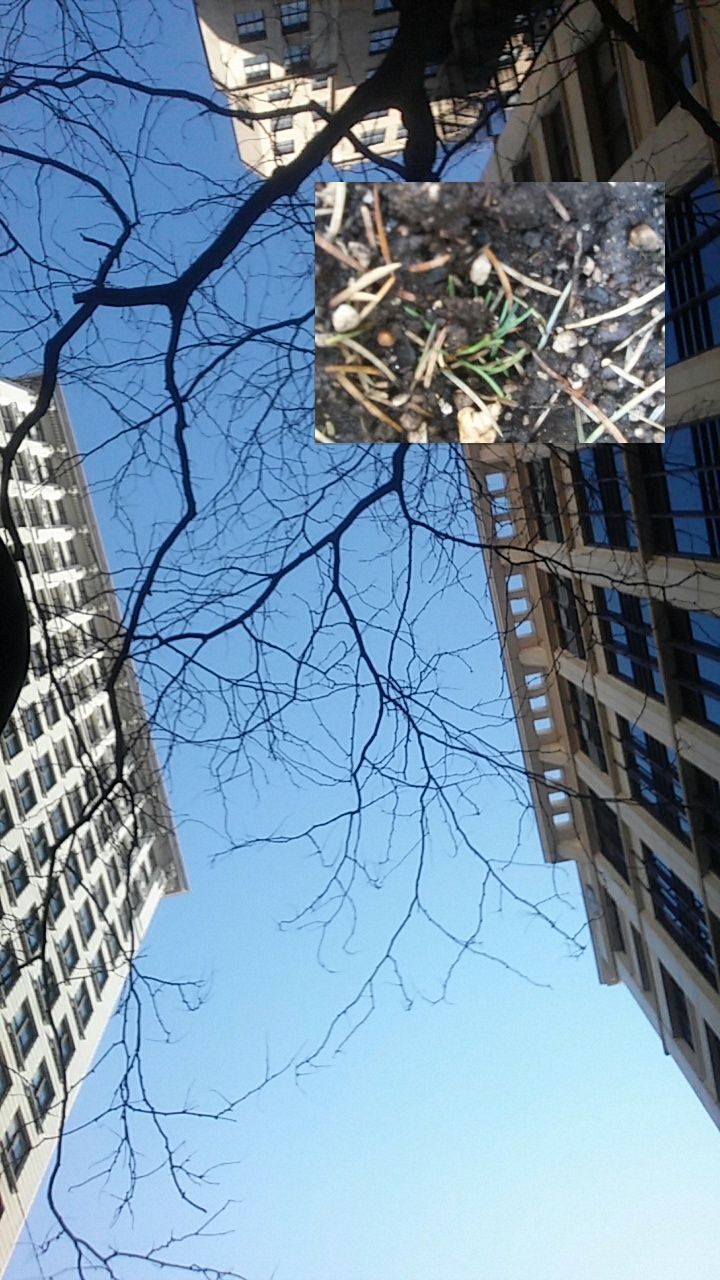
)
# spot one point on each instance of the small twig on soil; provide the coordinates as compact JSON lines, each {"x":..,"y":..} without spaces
{"x":633,"y":356}
{"x":340,"y":194}
{"x":334,"y":252}
{"x":368,"y":277}
{"x":557,"y":204}
{"x":439,"y":261}
{"x":375,"y":298}
{"x":500,"y":272}
{"x":321,"y":438}
{"x":657,"y":318}
{"x":424,"y":355}
{"x":592,"y":410}
{"x":638,"y":398}
{"x":351,"y":368}
{"x":632,"y":305}
{"x":379,"y":224}
{"x":371,"y":408}
{"x":433,"y":357}
{"x":530,"y":284}
{"x":369,"y":228}
{"x":360,"y":350}
{"x":544,"y":413}
{"x":554,"y":314}
{"x":623,"y":373}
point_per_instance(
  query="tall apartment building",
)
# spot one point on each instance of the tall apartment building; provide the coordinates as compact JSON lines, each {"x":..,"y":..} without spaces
{"x":607,"y":584}
{"x":275,"y":56}
{"x":590,"y":110}
{"x":605,"y":576}
{"x":85,"y":860}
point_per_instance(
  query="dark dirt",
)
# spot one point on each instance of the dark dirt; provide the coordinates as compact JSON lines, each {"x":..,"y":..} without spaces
{"x":524,"y":230}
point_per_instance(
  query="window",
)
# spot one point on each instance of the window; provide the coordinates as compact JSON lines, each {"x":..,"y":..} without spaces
{"x":641,"y":956}
{"x":113,"y":944}
{"x":32,"y":722}
{"x":125,"y":918}
{"x":58,"y":821}
{"x":682,"y":490}
{"x":68,"y":952}
{"x":654,"y":778}
{"x":713,"y":1043}
{"x":5,"y":1080}
{"x":99,"y":971}
{"x":11,"y":743}
{"x":6,"y":822}
{"x":65,"y":1043}
{"x":40,"y":846}
{"x":24,"y":1030}
{"x":613,"y":922}
{"x":75,"y":804}
{"x":384,"y":6}
{"x":48,"y":988}
{"x":380,"y":41}
{"x":46,"y":773}
{"x":295,"y":15}
{"x":250,"y":26}
{"x":42,"y":1090}
{"x":609,"y":836}
{"x":101,"y":896}
{"x":297,"y":57}
{"x":693,"y":271}
{"x":257,"y":68}
{"x":522,"y":170}
{"x":64,"y":758}
{"x":665,"y":25}
{"x":113,"y":874}
{"x":16,"y":874}
{"x":89,"y":850}
{"x":32,"y":934}
{"x":587,"y":724}
{"x":285,"y":147}
{"x":696,"y":647}
{"x":320,"y":82}
{"x":678,"y":1009}
{"x":9,"y":969}
{"x":25,"y":792}
{"x":281,"y":94}
{"x":373,"y":137}
{"x":17,"y":1144}
{"x":282,"y":123}
{"x":56,"y":904}
{"x":86,"y":921}
{"x":73,"y":874}
{"x":705,"y":806}
{"x":602,"y":493}
{"x":565,"y":608}
{"x":82,"y":1005}
{"x":604,"y":102}
{"x":558,"y":145}
{"x":681,"y":913}
{"x":52,"y":713}
{"x":628,"y":640}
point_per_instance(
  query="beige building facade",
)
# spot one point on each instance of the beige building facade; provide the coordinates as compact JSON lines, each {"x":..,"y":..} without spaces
{"x":605,"y":567}
{"x":277,"y":58}
{"x":84,"y":862}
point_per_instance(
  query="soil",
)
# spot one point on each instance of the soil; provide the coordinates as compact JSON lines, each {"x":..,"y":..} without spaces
{"x":525,"y":229}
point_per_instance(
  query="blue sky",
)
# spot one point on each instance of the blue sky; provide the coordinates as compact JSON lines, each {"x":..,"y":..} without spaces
{"x":516,"y":1130}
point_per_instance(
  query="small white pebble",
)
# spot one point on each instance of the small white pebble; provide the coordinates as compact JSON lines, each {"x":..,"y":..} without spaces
{"x":581,"y":371}
{"x":588,"y":266}
{"x":445,"y":408}
{"x":564,"y":341}
{"x":480,"y":270}
{"x":643,"y":236}
{"x":345,"y":317}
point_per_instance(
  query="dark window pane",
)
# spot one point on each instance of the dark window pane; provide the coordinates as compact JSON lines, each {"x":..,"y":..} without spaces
{"x":602,"y":492}
{"x":654,"y":778}
{"x":608,"y":835}
{"x":678,"y":1009}
{"x":696,"y":648}
{"x":628,"y":639}
{"x":681,"y":913}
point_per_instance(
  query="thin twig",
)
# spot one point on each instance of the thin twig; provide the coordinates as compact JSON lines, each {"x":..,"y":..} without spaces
{"x":375,"y":298}
{"x":379,"y":224}
{"x":554,"y":314}
{"x":334,"y":252}
{"x":360,"y":350}
{"x":439,"y":261}
{"x":340,"y":197}
{"x":557,"y":204}
{"x":531,"y":284}
{"x":371,"y":408}
{"x":632,"y":305}
{"x":500,"y":272}
{"x":368,"y":277}
{"x":593,"y":411}
{"x":638,"y":398}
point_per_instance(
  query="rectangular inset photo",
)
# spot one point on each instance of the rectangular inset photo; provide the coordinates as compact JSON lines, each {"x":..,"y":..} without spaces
{"x":515,"y":313}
